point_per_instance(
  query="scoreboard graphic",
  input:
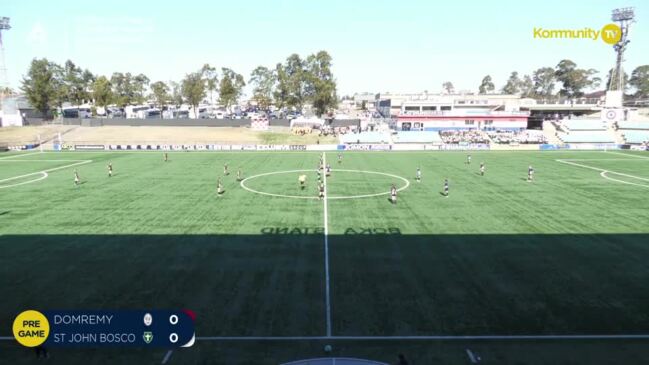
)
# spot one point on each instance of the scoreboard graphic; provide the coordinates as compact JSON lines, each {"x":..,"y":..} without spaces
{"x":93,"y":328}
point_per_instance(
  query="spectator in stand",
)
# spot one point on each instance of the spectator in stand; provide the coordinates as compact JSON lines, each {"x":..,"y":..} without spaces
{"x":463,"y":136}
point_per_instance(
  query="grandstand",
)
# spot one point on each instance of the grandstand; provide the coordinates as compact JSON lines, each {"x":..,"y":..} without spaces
{"x":366,"y":137}
{"x":417,"y":137}
{"x":587,"y":137}
{"x":528,"y":136}
{"x":584,"y":125}
{"x":584,"y":131}
{"x":634,"y":132}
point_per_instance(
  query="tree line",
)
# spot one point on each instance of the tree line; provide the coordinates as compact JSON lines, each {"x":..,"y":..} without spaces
{"x":572,"y":81}
{"x":292,"y":84}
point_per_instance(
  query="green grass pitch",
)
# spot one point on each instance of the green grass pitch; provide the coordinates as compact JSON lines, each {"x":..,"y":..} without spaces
{"x":565,"y":254}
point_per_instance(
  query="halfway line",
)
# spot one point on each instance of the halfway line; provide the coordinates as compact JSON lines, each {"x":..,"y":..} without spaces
{"x":326,"y":244}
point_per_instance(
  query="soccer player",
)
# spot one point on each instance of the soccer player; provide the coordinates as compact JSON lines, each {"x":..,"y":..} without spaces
{"x":110,"y":169}
{"x":340,"y":158}
{"x":393,"y":194}
{"x":446,"y":187}
{"x":166,"y":157}
{"x":418,"y":176}
{"x":239,"y":178}
{"x":302,"y":180}
{"x":225,"y":170}
{"x":468,"y":159}
{"x":321,"y":191}
{"x":76,"y":178}
{"x":328,"y":170}
{"x":530,"y":173}
{"x":481,"y":168}
{"x":219,"y":187}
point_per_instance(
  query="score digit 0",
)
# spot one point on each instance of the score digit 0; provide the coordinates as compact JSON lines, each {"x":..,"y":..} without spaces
{"x":173,"y":319}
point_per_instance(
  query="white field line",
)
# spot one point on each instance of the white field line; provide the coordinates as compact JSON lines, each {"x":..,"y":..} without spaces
{"x":43,"y":176}
{"x":243,"y":185}
{"x":630,"y":155}
{"x":606,"y":172}
{"x":167,"y":357}
{"x":603,"y":174}
{"x":1,"y":161}
{"x":81,"y":162}
{"x":326,"y":247}
{"x":19,"y":155}
{"x":596,"y":159}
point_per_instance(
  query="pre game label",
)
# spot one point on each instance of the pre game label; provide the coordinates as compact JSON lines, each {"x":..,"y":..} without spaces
{"x":146,"y":328}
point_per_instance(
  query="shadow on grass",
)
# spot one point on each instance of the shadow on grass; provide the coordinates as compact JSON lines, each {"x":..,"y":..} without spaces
{"x":381,"y":284}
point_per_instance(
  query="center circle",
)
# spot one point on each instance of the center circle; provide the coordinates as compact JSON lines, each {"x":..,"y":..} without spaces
{"x":243,"y":185}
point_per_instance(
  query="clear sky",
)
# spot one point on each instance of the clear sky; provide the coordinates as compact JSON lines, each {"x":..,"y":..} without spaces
{"x":376,"y":45}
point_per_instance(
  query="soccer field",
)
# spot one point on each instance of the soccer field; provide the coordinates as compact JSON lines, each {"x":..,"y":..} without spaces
{"x":274,"y":273}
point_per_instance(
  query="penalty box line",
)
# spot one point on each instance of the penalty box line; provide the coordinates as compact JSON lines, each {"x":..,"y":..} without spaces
{"x":603,"y":172}
{"x":81,"y":162}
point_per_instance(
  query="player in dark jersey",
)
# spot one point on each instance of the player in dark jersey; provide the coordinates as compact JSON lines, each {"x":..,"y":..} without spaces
{"x":482,"y":167}
{"x":328,"y":171}
{"x":166,"y":157}
{"x":393,"y":194}
{"x":321,"y":189}
{"x":530,"y":173}
{"x":110,"y":169}
{"x":446,"y":187}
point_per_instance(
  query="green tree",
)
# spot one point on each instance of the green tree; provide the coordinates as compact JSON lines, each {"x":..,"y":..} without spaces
{"x":193,"y":90}
{"x":640,"y":81}
{"x":513,"y":85}
{"x":263,"y":80}
{"x":7,"y":91}
{"x":230,"y":87}
{"x":211,"y":79}
{"x":140,"y":82}
{"x":122,"y":88}
{"x":42,"y":86}
{"x":88,"y":80}
{"x":102,"y":91}
{"x":176,"y":98}
{"x":448,"y":87}
{"x":75,"y":88}
{"x":160,"y":94}
{"x":281,"y":93}
{"x":320,"y":84}
{"x":544,"y":80}
{"x":527,"y":87}
{"x":486,"y":86}
{"x":574,"y":80}
{"x":295,"y":80}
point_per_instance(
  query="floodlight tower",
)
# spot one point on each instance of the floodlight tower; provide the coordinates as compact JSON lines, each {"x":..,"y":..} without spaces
{"x":4,"y":81}
{"x":624,"y":17}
